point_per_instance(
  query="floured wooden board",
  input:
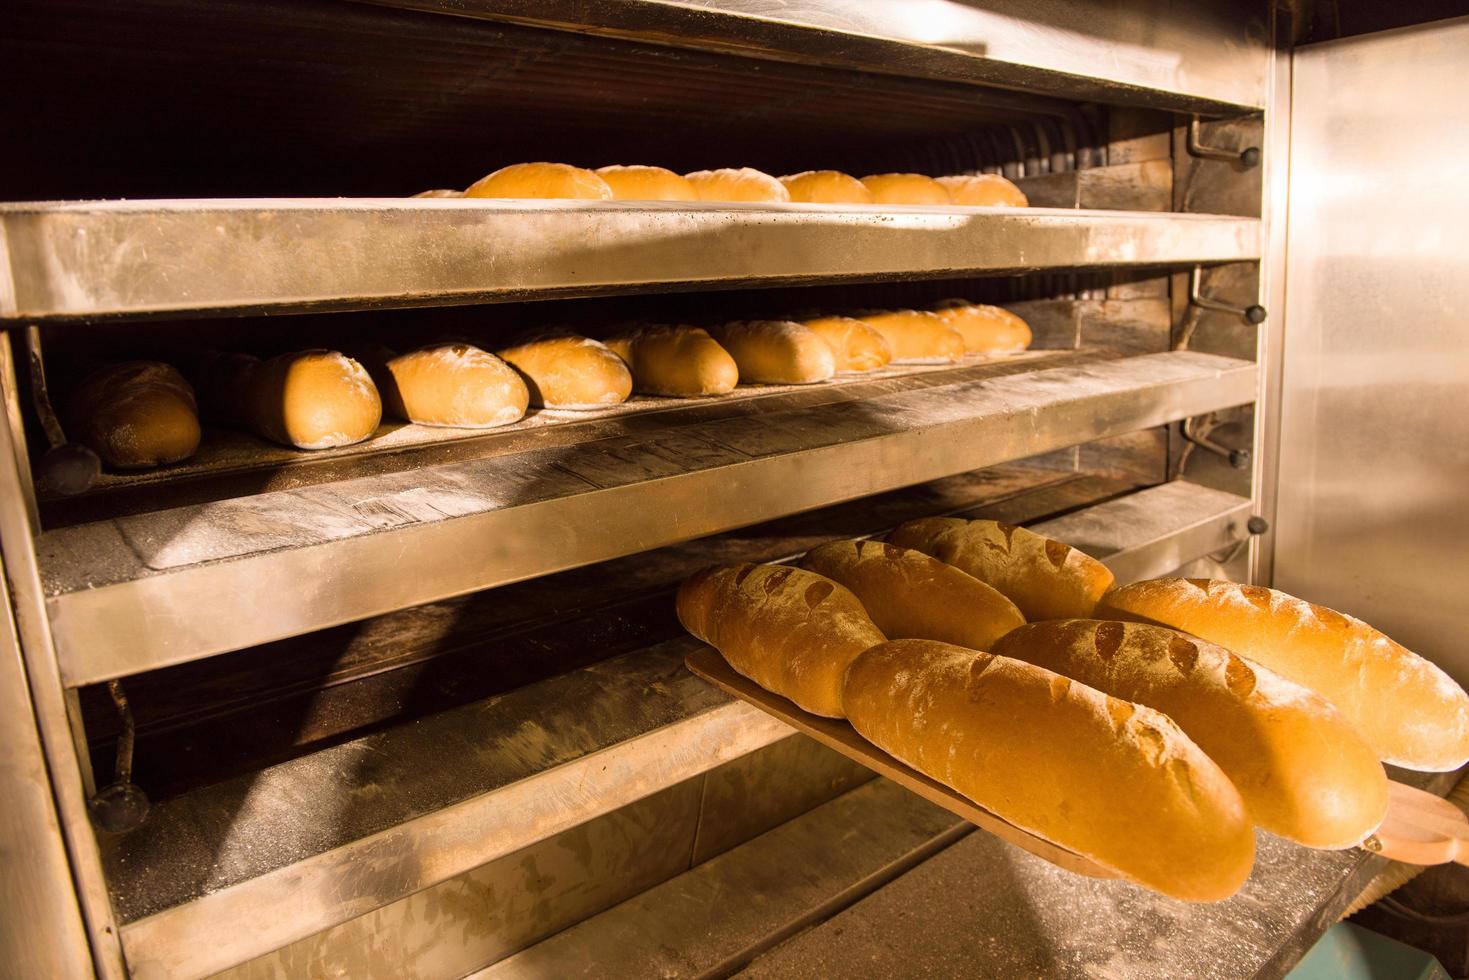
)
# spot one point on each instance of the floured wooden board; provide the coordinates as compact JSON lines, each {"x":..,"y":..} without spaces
{"x":840,"y":736}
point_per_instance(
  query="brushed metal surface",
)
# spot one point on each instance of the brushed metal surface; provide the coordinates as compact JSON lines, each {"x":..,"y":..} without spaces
{"x":1374,"y":442}
{"x":1142,"y":51}
{"x":144,"y":591}
{"x":130,"y":258}
{"x":1146,"y":185}
{"x":1151,"y":532}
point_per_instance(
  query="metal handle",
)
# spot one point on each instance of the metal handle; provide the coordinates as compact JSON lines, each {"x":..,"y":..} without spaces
{"x":1248,"y":157}
{"x":121,"y":806}
{"x":1254,"y":314}
{"x":68,"y":468}
{"x":1238,"y":458}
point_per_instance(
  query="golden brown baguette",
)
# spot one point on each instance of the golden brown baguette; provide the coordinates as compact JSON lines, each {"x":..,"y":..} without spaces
{"x":676,"y":360}
{"x":1044,"y":578}
{"x":1304,"y":772}
{"x":777,"y":352}
{"x":639,"y":183}
{"x":985,"y":329}
{"x":854,"y":345}
{"x":826,"y":187}
{"x":135,"y":415}
{"x":1411,"y":712}
{"x":313,"y":399}
{"x":791,"y":631}
{"x":906,"y":189}
{"x":457,"y":386}
{"x":738,"y":184}
{"x":570,"y":372}
{"x":917,"y":336}
{"x":983,"y":190}
{"x":912,"y":596}
{"x":1116,"y":782}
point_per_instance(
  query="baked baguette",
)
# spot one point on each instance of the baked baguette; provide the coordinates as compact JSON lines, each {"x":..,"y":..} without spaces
{"x":985,"y":329}
{"x":778,"y":352}
{"x":457,"y":386}
{"x":570,"y":372}
{"x":676,"y":360}
{"x":912,"y":596}
{"x":638,"y":183}
{"x":826,"y":187}
{"x":791,"y":631}
{"x":1044,"y":578}
{"x":738,"y":184}
{"x":1303,"y":771}
{"x":906,"y":189}
{"x":917,"y":336}
{"x":312,"y":399}
{"x":984,"y":190}
{"x":855,"y":346}
{"x":135,"y":415}
{"x":541,"y":180}
{"x":1410,"y":711}
{"x":1116,"y":782}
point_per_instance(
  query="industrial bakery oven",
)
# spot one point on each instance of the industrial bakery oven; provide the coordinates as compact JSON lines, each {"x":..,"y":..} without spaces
{"x":417,"y":707}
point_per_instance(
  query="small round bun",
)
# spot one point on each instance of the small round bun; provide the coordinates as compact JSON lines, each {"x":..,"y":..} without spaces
{"x":984,"y":190}
{"x":439,"y":193}
{"x":917,"y":337}
{"x":135,"y":415}
{"x":638,"y":183}
{"x":313,"y":399}
{"x":680,"y":361}
{"x":455,"y":385}
{"x":826,"y":187}
{"x":855,"y":345}
{"x":906,"y":189}
{"x":743,"y":184}
{"x":985,"y":329}
{"x":570,"y":372}
{"x":541,"y":180}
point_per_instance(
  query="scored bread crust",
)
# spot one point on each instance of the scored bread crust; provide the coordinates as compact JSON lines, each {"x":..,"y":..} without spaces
{"x":1411,"y":712}
{"x":910,"y":595}
{"x":456,"y":386}
{"x":738,"y":184}
{"x":917,"y":336}
{"x":854,"y":345}
{"x":570,"y":372}
{"x":1116,"y":782}
{"x":642,"y":183}
{"x":826,"y":187}
{"x":678,"y":360}
{"x":1045,"y":578}
{"x":779,"y":352}
{"x":1304,"y":772}
{"x":986,"y":329}
{"x":313,"y":399}
{"x":789,"y":630}
{"x":541,"y":180}
{"x":135,"y":415}
{"x":906,"y":189}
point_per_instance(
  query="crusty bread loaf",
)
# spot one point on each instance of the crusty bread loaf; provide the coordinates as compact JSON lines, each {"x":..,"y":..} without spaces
{"x":440,"y":192}
{"x":738,"y":184}
{"x":826,"y":187}
{"x":985,"y":329}
{"x":1113,"y":781}
{"x":313,"y":399}
{"x":1411,"y":712}
{"x":791,"y":631}
{"x":571,"y":372}
{"x":1044,"y":578}
{"x":455,"y":385}
{"x":917,"y":337}
{"x":638,"y":183}
{"x":541,"y":180}
{"x":905,"y":189}
{"x":984,"y":190}
{"x":855,"y":345}
{"x":910,"y":595}
{"x":135,"y":415}
{"x":676,"y":360}
{"x":778,"y":352}
{"x":1304,"y":772}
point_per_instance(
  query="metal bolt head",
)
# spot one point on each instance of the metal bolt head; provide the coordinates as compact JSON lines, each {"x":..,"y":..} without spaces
{"x":1239,"y":458}
{"x":1255,"y":314}
{"x":1257,"y":524}
{"x":119,"y":808}
{"x":1250,"y":157}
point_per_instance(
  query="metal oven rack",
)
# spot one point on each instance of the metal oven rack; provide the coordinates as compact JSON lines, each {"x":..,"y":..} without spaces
{"x":112,"y":596}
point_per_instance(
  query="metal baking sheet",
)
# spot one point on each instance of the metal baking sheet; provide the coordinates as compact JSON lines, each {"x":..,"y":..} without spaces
{"x":148,"y":258}
{"x":150,"y":590}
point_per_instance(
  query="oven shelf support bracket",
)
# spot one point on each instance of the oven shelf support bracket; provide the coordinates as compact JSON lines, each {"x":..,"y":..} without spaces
{"x":1253,"y":314}
{"x":1238,"y":458}
{"x":1247,"y":157}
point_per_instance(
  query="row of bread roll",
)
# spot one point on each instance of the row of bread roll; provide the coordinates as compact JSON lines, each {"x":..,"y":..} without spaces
{"x":646,"y":183}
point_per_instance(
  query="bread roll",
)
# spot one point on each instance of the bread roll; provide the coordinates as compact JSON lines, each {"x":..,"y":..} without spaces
{"x":1411,"y":712}
{"x":313,"y":399}
{"x":455,"y":385}
{"x":135,"y":415}
{"x":743,"y":184}
{"x":646,"y":184}
{"x":1044,"y":578}
{"x":917,"y":337}
{"x":791,"y":631}
{"x":826,"y":187}
{"x":1304,"y":772}
{"x":855,"y":346}
{"x":984,"y":190}
{"x":439,"y":193}
{"x":676,"y":360}
{"x":571,"y":372}
{"x":777,"y":352}
{"x":905,"y":189}
{"x":1116,"y":782}
{"x":541,"y":180}
{"x":986,"y":329}
{"x":912,"y":596}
